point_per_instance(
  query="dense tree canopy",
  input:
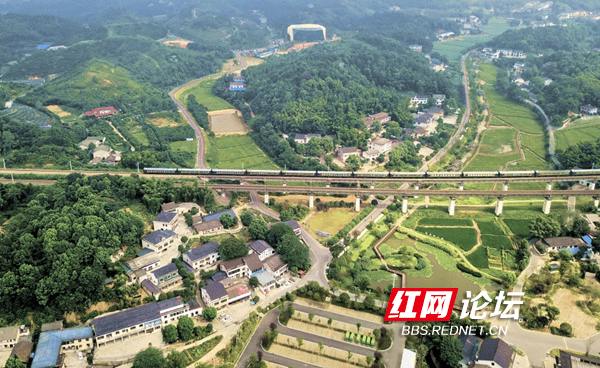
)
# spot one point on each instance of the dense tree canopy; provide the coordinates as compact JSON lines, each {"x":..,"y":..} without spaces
{"x":55,"y":250}
{"x":232,"y":247}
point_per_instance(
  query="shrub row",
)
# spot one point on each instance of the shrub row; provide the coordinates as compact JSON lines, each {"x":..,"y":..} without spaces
{"x":468,"y":270}
{"x":429,"y":241}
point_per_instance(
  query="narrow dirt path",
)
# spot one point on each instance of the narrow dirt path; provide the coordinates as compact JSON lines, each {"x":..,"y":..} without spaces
{"x":479,"y":240}
{"x":120,"y":135}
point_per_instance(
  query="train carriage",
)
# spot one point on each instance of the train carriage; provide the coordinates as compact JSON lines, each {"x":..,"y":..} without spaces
{"x":553,"y":173}
{"x":335,"y":173}
{"x":407,"y":174}
{"x":264,"y":172}
{"x":516,"y":174}
{"x":444,"y":174}
{"x":481,"y":174}
{"x":152,"y":170}
{"x":301,"y":173}
{"x":364,"y":174}
{"x":585,"y":172}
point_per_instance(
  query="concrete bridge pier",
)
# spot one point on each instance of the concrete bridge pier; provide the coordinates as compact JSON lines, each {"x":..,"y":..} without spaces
{"x":499,"y":206}
{"x":416,"y":188}
{"x":571,"y":203}
{"x":357,"y":206}
{"x":593,"y":185}
{"x":505,"y":186}
{"x":266,"y":197}
{"x":548,"y":186}
{"x":372,"y":185}
{"x":404,"y":204}
{"x":596,"y":202}
{"x":452,"y":206}
{"x":328,"y":184}
{"x":461,"y":186}
{"x":284,"y":183}
{"x":311,"y":201}
{"x":547,"y":203}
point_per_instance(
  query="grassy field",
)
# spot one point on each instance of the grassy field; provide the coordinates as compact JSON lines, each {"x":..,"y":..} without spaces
{"x":463,"y":237}
{"x":491,"y":163}
{"x":431,"y":221}
{"x":479,"y":258}
{"x":489,"y":227}
{"x":499,"y":147}
{"x":519,"y":227}
{"x":203,"y":92}
{"x":331,"y":221}
{"x":454,"y":49}
{"x":498,"y":141}
{"x":495,"y":241}
{"x":236,"y":152}
{"x":185,"y":146}
{"x":577,"y":134}
{"x":496,"y":26}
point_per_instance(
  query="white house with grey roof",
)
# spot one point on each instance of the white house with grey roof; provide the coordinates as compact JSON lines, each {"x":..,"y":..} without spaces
{"x":296,"y":226}
{"x":165,"y":276}
{"x":204,"y":255}
{"x":262,"y":249}
{"x":215,"y":295}
{"x":165,"y":221}
{"x":275,"y":265}
{"x":144,"y":319}
{"x":8,"y":337}
{"x":161,"y":241}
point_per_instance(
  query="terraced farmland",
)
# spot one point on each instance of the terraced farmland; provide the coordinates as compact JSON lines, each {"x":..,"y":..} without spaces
{"x":28,"y":114}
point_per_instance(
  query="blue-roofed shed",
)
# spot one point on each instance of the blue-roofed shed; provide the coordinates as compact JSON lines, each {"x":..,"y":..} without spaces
{"x":48,"y":349}
{"x":264,"y":277}
{"x":217,"y":215}
{"x":43,"y":47}
{"x":587,"y":239}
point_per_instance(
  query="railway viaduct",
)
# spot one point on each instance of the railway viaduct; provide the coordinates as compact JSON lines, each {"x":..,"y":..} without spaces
{"x":407,"y":193}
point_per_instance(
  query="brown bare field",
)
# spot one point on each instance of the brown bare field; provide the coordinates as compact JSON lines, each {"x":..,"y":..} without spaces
{"x":100,"y":307}
{"x":163,"y":122}
{"x":316,"y":330}
{"x":583,"y":324}
{"x":178,"y":42}
{"x":252,"y":61}
{"x":303,"y":199}
{"x":340,"y":310}
{"x":58,"y":111}
{"x":227,"y":124}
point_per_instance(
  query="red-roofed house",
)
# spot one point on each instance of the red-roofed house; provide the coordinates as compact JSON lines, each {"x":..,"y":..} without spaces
{"x":102,"y":112}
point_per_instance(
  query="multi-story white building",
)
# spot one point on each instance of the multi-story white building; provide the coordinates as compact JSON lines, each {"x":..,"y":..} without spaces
{"x":202,"y":256}
{"x":215,"y":295}
{"x":382,"y":145}
{"x":144,"y":319}
{"x":161,"y":241}
{"x":262,"y":249}
{"x":165,"y":221}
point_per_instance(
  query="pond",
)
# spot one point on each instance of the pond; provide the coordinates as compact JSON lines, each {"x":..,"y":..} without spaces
{"x":440,"y":277}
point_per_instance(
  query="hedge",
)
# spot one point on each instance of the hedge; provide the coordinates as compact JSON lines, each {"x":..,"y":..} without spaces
{"x":468,"y":270}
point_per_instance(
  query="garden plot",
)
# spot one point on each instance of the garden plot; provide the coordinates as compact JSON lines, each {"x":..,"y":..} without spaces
{"x":226,"y":122}
{"x":519,"y":227}
{"x":463,"y":237}
{"x":319,"y":326}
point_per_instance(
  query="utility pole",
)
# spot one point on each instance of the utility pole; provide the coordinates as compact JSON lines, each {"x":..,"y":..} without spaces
{"x":4,"y":161}
{"x":138,"y":167}
{"x":11,"y":178}
{"x":394,"y":281}
{"x":71,"y":165}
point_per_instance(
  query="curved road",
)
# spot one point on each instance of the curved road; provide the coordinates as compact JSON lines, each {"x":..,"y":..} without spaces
{"x":199,"y":136}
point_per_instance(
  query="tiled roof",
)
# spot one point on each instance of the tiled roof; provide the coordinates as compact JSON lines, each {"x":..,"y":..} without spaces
{"x":159,"y":236}
{"x":171,"y":303}
{"x":496,"y":350}
{"x":274,"y":262}
{"x":380,"y":116}
{"x":218,"y":276}
{"x":215,"y":291}
{"x":169,"y":206}
{"x":564,"y":242}
{"x":202,"y":251}
{"x":144,"y":251}
{"x":165,"y":270}
{"x":49,"y":344}
{"x":9,"y":333}
{"x":56,"y":325}
{"x":165,"y":217}
{"x":194,"y":304}
{"x":294,"y":224}
{"x":347,"y":150}
{"x":22,"y":350}
{"x":217,"y":215}
{"x":208,"y":225}
{"x":142,"y":261}
{"x":127,"y":318}
{"x":253,"y":262}
{"x":150,"y":287}
{"x":232,"y":263}
{"x":381,"y":141}
{"x":259,"y":246}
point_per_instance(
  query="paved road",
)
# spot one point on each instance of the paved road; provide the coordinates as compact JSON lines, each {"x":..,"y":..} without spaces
{"x":258,"y":205}
{"x":392,"y":357}
{"x":382,"y":205}
{"x":199,"y":136}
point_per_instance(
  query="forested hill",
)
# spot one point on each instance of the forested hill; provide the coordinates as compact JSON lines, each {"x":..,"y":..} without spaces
{"x":55,"y":250}
{"x":542,"y":39}
{"x":329,"y":88}
{"x":146,"y":60}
